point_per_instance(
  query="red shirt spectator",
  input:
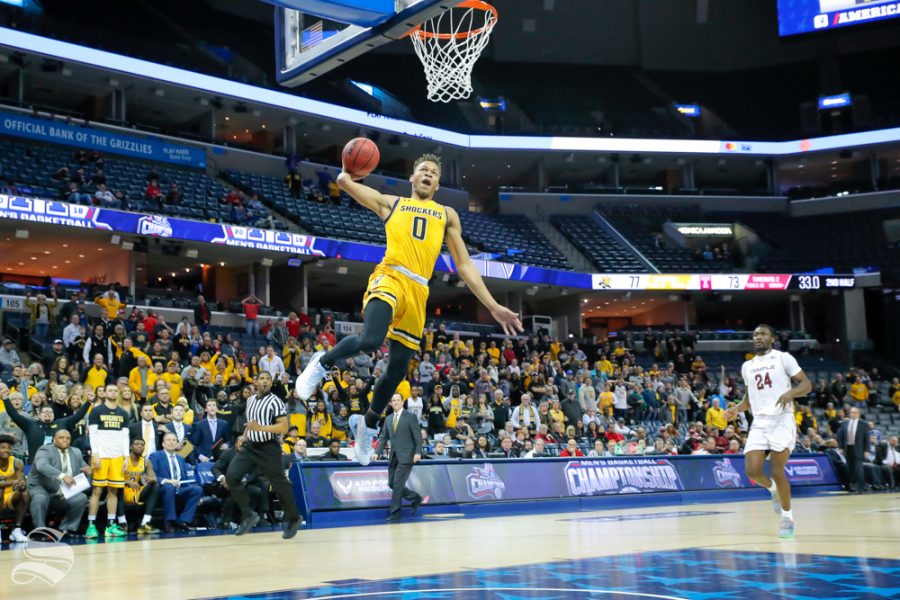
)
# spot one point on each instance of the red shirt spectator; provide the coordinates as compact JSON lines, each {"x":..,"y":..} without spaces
{"x":153,"y":191}
{"x":233,"y":197}
{"x":251,"y":307}
{"x":509,"y":354}
{"x":150,"y":322}
{"x":546,"y":437}
{"x":293,"y":326}
{"x":613,"y":436}
{"x":326,"y":333}
{"x":571,"y":450}
{"x":304,"y":318}
{"x":265,"y":329}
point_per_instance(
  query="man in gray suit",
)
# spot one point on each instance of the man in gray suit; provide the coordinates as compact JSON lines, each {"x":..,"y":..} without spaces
{"x":55,"y":465}
{"x":401,"y":429}
{"x":852,"y":437}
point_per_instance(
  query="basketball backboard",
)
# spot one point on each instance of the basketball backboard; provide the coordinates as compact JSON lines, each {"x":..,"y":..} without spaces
{"x":313,"y":37}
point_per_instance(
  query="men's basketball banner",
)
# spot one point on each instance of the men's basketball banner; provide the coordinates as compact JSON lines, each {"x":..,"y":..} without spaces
{"x":330,"y":485}
{"x":54,"y":212}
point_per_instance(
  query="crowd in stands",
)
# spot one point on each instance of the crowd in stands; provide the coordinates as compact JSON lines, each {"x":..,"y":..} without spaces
{"x":475,"y":398}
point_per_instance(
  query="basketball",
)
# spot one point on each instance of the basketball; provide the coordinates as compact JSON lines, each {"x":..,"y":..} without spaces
{"x":360,"y":157}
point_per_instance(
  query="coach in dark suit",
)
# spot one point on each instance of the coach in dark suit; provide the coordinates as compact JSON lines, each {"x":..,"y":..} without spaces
{"x":147,"y":429}
{"x":54,"y":465}
{"x":401,"y":429}
{"x":852,"y":438}
{"x":175,"y":483}
{"x":210,"y":433}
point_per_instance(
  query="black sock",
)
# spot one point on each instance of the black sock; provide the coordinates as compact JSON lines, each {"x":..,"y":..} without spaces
{"x":371,"y":419}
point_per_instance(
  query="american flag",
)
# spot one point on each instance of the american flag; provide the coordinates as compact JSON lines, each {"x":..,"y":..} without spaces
{"x":312,"y":36}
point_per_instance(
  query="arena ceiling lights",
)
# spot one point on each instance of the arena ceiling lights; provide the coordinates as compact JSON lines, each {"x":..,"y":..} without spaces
{"x":215,"y":85}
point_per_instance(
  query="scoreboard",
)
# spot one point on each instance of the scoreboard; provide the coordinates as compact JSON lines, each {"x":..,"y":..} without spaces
{"x":721,"y":282}
{"x":803,"y":16}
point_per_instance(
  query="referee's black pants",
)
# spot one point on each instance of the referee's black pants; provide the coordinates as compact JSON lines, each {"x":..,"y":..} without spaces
{"x":265,"y":456}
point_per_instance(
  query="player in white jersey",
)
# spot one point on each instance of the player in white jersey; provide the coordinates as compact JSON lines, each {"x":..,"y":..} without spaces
{"x":769,"y":378}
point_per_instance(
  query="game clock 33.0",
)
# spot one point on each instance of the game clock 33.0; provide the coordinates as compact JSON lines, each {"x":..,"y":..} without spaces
{"x":823,"y":282}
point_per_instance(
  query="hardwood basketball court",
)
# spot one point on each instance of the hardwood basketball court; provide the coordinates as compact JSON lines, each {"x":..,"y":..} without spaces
{"x":846,"y":547}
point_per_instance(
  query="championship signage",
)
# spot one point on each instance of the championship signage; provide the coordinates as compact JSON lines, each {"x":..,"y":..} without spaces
{"x":330,"y":485}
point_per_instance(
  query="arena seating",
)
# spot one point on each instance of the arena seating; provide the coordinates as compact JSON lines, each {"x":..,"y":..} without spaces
{"x":514,"y":237}
{"x":842,"y":241}
{"x":348,"y":220}
{"x":32,"y":167}
{"x":642,"y":226}
{"x":607,"y":253}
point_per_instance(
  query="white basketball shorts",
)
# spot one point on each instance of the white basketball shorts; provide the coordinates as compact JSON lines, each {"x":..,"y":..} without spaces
{"x":775,"y":433}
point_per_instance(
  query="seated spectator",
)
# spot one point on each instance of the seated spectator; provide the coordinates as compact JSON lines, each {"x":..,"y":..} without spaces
{"x":233,"y":197}
{"x":103,"y":197}
{"x":174,"y":195}
{"x":255,"y":204}
{"x":708,"y":447}
{"x":238,"y":214}
{"x":299,"y":450}
{"x":314,"y":439}
{"x":153,"y":193}
{"x":78,"y":177}
{"x":472,"y":451}
{"x":659,"y":448}
{"x":440,"y":451}
{"x":505,"y":450}
{"x":334,"y":452}
{"x":99,"y":178}
{"x":571,"y":450}
{"x":74,"y":195}
{"x":598,"y":449}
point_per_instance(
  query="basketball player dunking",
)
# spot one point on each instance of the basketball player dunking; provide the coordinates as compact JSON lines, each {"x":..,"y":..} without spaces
{"x":394,"y":302}
{"x":770,"y":395}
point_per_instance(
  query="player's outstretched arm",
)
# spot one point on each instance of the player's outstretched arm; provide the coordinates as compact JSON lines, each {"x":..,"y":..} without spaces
{"x":469,"y":274}
{"x":372,"y":199}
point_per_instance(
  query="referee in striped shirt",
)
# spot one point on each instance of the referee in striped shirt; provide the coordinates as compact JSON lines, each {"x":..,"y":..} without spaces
{"x":266,"y":418}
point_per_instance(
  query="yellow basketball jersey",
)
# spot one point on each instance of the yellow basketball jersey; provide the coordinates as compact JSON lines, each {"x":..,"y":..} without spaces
{"x":134,"y":472}
{"x":8,"y":474}
{"x":415,"y":234}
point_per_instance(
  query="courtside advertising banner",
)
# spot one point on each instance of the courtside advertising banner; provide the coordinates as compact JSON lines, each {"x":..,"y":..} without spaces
{"x":330,"y":486}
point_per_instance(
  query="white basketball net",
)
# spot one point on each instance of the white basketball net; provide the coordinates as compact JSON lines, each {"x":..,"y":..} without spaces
{"x":448,"y":47}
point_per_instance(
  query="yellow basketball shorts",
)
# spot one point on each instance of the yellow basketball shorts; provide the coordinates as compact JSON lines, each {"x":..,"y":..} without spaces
{"x":406,"y":297}
{"x":133,"y":496}
{"x":111,"y":473}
